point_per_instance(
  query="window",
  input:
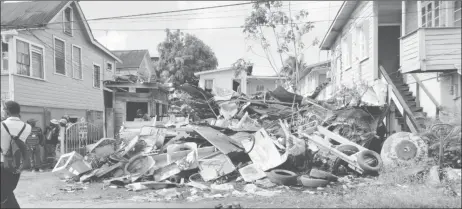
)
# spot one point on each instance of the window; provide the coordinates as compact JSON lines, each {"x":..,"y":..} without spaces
{"x":4,"y":65}
{"x":260,"y":88}
{"x":363,"y":40}
{"x":96,"y":76}
{"x":109,"y":66}
{"x":77,"y":62}
{"x":457,"y":13}
{"x":68,"y":21}
{"x":22,"y":58}
{"x":29,"y":59}
{"x":37,"y":62}
{"x":433,"y":14}
{"x":60,"y":56}
{"x":208,"y":85}
{"x":346,"y":51}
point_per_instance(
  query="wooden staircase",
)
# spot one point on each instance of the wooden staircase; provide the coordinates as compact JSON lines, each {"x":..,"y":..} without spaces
{"x":410,"y":100}
{"x":408,"y":113}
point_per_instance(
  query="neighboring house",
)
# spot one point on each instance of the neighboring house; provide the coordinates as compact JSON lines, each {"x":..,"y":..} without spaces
{"x":311,"y":77}
{"x":51,"y":63}
{"x":135,"y":62}
{"x":412,"y":46}
{"x":245,"y":82}
{"x":126,"y":98}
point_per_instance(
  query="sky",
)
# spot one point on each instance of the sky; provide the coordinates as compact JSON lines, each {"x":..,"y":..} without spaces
{"x":228,"y":45}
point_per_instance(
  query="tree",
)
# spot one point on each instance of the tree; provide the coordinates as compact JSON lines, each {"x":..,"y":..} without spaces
{"x":288,"y":34}
{"x":181,"y":55}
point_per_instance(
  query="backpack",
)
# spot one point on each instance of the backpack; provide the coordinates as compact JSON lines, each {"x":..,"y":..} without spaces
{"x":34,"y":136}
{"x":16,"y":154}
{"x":50,"y":133}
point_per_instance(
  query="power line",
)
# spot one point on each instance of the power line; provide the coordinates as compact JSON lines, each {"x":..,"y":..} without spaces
{"x":143,"y":14}
{"x":231,"y":27}
{"x":176,"y":15}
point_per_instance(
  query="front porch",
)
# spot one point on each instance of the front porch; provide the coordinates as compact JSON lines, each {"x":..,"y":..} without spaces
{"x":431,"y":49}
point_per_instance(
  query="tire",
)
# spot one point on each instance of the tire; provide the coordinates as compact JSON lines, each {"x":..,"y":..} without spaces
{"x":403,"y":149}
{"x":346,"y":149}
{"x":313,"y":183}
{"x":284,"y":177}
{"x":364,"y":161}
{"x":318,"y":174}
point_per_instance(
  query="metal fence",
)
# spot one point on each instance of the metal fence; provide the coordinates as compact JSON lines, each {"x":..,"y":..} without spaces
{"x":79,"y":135}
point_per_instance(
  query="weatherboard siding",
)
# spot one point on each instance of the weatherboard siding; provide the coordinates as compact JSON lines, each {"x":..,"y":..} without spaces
{"x":61,"y":91}
{"x":4,"y":87}
{"x":361,"y":69}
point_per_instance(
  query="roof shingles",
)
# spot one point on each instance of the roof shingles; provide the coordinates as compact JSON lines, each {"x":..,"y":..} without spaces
{"x":29,"y":14}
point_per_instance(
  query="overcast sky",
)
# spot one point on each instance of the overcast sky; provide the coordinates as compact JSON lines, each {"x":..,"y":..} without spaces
{"x":228,"y":44}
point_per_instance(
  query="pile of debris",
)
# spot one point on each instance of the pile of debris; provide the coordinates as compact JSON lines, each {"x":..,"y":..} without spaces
{"x":278,"y":138}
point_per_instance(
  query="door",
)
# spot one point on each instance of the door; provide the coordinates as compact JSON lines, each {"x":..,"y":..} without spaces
{"x":389,"y":48}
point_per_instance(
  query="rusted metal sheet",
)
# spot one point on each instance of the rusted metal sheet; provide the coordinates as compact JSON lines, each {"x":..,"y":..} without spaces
{"x":222,"y":142}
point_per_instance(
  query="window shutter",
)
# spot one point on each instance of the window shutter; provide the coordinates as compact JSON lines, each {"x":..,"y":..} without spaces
{"x":60,"y":57}
{"x":37,"y":69}
{"x":76,"y":62}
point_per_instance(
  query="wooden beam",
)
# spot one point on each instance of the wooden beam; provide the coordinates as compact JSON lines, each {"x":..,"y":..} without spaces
{"x":420,"y":84}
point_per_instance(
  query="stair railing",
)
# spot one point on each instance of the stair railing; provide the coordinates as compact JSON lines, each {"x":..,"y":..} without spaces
{"x":396,"y":96}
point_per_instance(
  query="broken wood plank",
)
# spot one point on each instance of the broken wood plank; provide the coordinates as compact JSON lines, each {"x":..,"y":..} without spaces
{"x":219,"y":140}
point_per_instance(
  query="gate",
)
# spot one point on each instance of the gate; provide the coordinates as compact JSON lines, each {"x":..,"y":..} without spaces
{"x":79,"y":135}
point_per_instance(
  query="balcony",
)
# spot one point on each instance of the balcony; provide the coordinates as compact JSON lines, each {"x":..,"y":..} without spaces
{"x":431,"y":50}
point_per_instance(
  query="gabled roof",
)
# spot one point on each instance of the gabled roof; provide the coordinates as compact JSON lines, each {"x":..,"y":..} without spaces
{"x":38,"y":14}
{"x":29,"y":13}
{"x":342,"y":17}
{"x":130,"y":58}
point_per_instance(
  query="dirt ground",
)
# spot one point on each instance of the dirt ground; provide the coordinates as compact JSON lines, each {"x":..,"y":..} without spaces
{"x":44,"y":190}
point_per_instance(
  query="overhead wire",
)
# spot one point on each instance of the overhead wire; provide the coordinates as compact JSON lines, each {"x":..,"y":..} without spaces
{"x":224,"y":27}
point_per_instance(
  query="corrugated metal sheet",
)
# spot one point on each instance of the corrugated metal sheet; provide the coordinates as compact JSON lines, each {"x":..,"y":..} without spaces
{"x":130,"y":58}
{"x":29,"y":13}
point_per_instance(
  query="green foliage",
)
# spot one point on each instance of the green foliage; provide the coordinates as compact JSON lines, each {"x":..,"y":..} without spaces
{"x":288,"y":29}
{"x":181,"y":55}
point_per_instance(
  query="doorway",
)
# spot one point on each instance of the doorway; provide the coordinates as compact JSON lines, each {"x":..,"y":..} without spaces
{"x":389,"y":48}
{"x":132,"y":107}
{"x":237,"y":85}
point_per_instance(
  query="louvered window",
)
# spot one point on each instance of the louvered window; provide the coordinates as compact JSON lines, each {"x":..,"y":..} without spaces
{"x":37,"y":62}
{"x":96,"y":76}
{"x":77,"y":62}
{"x":60,"y":57}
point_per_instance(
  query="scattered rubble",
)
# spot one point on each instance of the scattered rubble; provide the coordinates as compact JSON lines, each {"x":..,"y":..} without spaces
{"x":232,"y":144}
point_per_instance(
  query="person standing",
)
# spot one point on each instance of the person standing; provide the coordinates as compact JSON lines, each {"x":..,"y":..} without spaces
{"x":61,"y":135}
{"x":33,"y":142}
{"x":11,"y":129}
{"x":51,"y":133}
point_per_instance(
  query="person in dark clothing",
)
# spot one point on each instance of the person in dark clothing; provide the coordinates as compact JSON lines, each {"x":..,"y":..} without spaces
{"x":33,"y":142}
{"x":51,"y":133}
{"x":12,"y":126}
